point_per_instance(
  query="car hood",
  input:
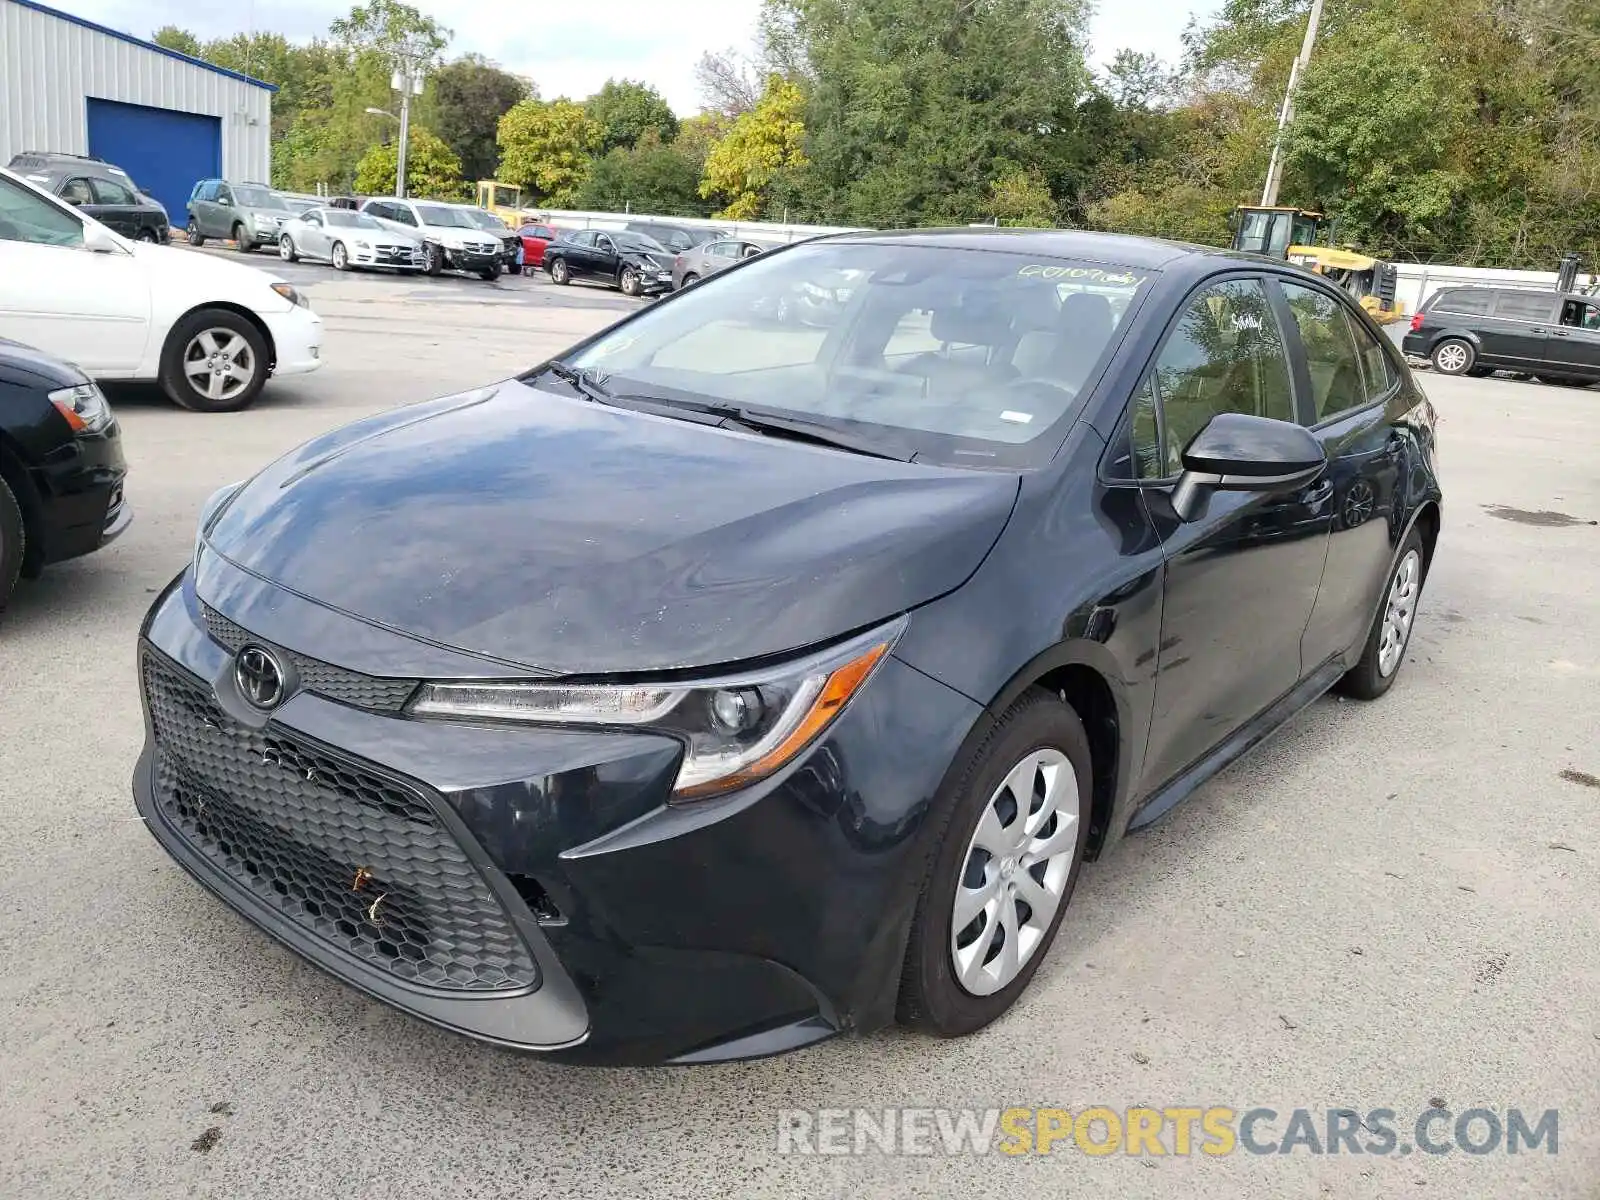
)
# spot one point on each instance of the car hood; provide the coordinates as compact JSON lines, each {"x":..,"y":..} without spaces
{"x":35,"y":368}
{"x":571,"y":537}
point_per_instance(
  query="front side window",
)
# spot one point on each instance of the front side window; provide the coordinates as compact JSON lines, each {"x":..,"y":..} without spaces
{"x":210,"y":190}
{"x":447,"y":218}
{"x":109,"y":191}
{"x":76,"y":191}
{"x":1332,"y":356}
{"x":1225,"y":355}
{"x":26,"y":216}
{"x":1576,"y":314}
{"x":959,"y":356}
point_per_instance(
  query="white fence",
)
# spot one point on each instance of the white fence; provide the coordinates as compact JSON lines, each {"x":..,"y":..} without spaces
{"x":755,"y":231}
{"x":1418,"y":281}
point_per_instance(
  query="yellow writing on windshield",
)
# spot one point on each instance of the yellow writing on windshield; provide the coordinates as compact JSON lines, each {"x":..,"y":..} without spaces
{"x":1086,"y":274}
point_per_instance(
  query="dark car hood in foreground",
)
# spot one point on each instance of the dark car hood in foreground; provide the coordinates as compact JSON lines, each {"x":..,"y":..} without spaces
{"x":35,"y":368}
{"x":576,"y":538}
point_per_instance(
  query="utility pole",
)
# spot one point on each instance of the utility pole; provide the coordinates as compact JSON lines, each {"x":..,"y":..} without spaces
{"x":1269,"y":194}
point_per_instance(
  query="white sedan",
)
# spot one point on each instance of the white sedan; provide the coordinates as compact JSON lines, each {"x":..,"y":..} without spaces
{"x":210,"y":331}
{"x":348,"y":239}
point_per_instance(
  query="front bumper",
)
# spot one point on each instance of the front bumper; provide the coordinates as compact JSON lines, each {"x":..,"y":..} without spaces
{"x":264,"y":235}
{"x":396,"y":257}
{"x":730,"y":928}
{"x":83,"y":503}
{"x":471,"y":260}
{"x":296,"y":340}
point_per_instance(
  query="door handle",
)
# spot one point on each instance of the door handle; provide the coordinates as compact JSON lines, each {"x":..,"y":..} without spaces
{"x":1561,"y":333}
{"x":1538,"y":329}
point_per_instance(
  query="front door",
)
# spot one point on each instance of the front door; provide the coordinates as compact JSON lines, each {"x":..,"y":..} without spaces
{"x":1517,"y":328}
{"x":1349,"y":379}
{"x":117,"y":206}
{"x":86,"y":307}
{"x":1241,"y":579}
{"x":315,"y":235}
{"x":1574,"y":345}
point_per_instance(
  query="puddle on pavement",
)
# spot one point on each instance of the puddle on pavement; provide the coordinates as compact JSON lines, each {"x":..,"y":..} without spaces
{"x":1545,"y":517}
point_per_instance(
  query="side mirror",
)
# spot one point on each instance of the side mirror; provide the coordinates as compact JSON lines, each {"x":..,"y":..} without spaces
{"x":99,"y":240}
{"x":225,"y":202}
{"x":74,"y":201}
{"x":1236,"y":452}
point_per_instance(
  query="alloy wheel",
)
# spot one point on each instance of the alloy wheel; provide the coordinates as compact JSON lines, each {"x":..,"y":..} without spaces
{"x":1015,"y":872}
{"x":629,"y":282}
{"x":219,"y":363}
{"x":341,"y":257}
{"x":286,"y":249}
{"x":1399,"y":612}
{"x":1451,"y":358}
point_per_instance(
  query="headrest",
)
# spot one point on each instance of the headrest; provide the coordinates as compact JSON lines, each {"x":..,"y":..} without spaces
{"x":977,"y":318}
{"x":1087,"y":317}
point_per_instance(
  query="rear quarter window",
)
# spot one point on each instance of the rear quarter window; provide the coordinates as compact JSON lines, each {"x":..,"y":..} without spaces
{"x":1471,"y":302}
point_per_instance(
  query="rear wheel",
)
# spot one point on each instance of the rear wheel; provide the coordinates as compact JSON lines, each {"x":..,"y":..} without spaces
{"x":286,"y":250}
{"x":12,"y":542}
{"x":340,"y":257}
{"x":559,"y":272}
{"x":214,"y":361}
{"x":1391,"y":627}
{"x":1454,"y":357}
{"x":192,"y":232}
{"x":1004,"y":870}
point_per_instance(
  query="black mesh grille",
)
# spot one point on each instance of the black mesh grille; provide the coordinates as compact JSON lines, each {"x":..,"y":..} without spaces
{"x":358,"y":861}
{"x":325,"y":679}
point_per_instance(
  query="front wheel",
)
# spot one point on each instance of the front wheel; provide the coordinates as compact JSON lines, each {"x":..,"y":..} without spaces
{"x":433,"y":260}
{"x":560,"y":272}
{"x":1454,"y":357}
{"x":689,"y":279}
{"x":490,"y":274}
{"x":12,"y":542}
{"x":286,"y":250}
{"x":341,"y":257}
{"x":1004,"y":870}
{"x":241,"y":240}
{"x":214,"y":361}
{"x":628,"y":281}
{"x":192,"y":232}
{"x":1391,"y":627}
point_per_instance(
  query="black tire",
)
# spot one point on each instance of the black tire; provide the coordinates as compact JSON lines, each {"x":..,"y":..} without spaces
{"x":339,"y":257}
{"x":691,"y":277}
{"x":13,"y":542}
{"x":192,"y":232}
{"x":490,"y":274}
{"x":433,"y":260}
{"x":147,"y":235}
{"x":628,"y":281}
{"x":560,"y":272}
{"x":241,"y":240}
{"x":176,"y":383}
{"x":932,"y":1000}
{"x":1481,"y":372}
{"x":1367,"y":679}
{"x":1453,"y":356}
{"x":286,"y":250}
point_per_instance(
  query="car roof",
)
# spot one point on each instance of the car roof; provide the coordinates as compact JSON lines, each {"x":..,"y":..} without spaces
{"x":1112,"y":248}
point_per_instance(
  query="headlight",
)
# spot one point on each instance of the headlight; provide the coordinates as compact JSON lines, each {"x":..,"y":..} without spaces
{"x":361,"y":245}
{"x":84,"y":407}
{"x":736,"y":729}
{"x":292,"y":294}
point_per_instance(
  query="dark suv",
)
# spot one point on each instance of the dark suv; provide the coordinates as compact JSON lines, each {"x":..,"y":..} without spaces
{"x":100,"y":189}
{"x":1477,"y":331}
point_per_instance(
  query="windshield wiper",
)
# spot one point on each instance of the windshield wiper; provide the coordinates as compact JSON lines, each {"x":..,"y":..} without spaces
{"x":580,"y":380}
{"x":799,"y":429}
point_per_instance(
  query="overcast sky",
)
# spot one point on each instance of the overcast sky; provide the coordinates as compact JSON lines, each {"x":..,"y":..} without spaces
{"x":571,"y":49}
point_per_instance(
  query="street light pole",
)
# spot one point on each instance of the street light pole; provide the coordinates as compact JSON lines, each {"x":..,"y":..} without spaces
{"x":405,"y":131}
{"x":1269,"y":194}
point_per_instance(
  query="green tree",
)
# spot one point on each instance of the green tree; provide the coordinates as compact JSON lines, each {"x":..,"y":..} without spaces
{"x":1022,"y":198}
{"x":177,"y":39}
{"x":626,"y":110}
{"x":432,"y":168}
{"x":464,"y":102}
{"x":392,"y":28}
{"x":761,"y":145}
{"x":546,"y":148}
{"x":649,"y":178}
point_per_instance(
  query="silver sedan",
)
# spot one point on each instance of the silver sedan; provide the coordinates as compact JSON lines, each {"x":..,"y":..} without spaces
{"x":348,"y":239}
{"x":710,"y":257}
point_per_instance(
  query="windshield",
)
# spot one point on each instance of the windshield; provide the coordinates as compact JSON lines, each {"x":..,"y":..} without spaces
{"x":450,"y":218}
{"x":627,"y":240}
{"x":341,"y":219}
{"x":257,"y":197}
{"x":955,"y":355}
{"x":486,"y":220}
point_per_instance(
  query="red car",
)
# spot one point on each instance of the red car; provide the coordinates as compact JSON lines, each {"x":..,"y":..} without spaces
{"x":534,"y":239}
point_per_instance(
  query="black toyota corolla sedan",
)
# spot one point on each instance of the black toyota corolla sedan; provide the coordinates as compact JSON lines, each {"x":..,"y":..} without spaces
{"x":61,"y":465}
{"x":729,"y":683}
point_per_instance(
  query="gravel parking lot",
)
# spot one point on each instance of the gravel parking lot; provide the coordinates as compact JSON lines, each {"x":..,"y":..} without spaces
{"x":1389,"y":904}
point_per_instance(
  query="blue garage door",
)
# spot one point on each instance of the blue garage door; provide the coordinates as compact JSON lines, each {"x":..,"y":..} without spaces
{"x":166,"y":152}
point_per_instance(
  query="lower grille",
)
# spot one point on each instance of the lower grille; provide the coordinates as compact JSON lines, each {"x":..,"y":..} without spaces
{"x":361,"y":863}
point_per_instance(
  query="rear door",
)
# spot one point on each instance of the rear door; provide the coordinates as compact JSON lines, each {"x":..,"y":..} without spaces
{"x":1517,"y":328}
{"x":580,"y":252}
{"x":1574,"y":344}
{"x":117,"y":206}
{"x":1349,"y":380}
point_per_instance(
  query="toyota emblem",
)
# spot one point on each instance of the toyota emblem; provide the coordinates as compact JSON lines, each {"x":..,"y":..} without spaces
{"x":259,"y":678}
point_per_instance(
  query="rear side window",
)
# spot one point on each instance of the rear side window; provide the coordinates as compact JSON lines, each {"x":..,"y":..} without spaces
{"x":1226,"y":355}
{"x":1524,"y":306}
{"x":1473,"y":302}
{"x":1377,"y":366}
